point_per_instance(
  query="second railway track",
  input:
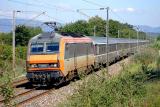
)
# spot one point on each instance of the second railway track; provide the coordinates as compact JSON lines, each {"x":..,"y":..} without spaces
{"x":26,"y":95}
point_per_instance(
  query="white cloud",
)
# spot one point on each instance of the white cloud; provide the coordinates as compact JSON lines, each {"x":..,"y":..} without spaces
{"x":115,"y":10}
{"x":129,"y":9}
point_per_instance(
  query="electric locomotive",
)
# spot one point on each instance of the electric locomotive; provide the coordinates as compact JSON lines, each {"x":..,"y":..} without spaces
{"x":53,"y":58}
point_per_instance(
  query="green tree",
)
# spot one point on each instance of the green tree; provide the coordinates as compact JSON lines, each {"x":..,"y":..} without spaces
{"x":80,"y":26}
{"x":158,"y":38}
{"x":114,"y":26}
{"x":87,"y":28}
{"x":100,"y":26}
{"x":24,"y":33}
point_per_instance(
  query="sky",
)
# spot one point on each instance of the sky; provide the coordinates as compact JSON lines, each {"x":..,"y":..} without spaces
{"x":135,"y":12}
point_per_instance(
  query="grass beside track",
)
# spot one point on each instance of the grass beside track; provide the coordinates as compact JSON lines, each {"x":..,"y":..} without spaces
{"x":152,"y":98}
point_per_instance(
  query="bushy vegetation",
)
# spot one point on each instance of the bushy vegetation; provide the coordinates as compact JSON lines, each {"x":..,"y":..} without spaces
{"x":158,"y":38}
{"x":6,"y":52}
{"x":116,"y":92}
{"x":6,"y":78}
{"x":156,"y":45}
{"x":7,"y":75}
{"x":5,"y":38}
{"x":6,"y":90}
{"x":119,"y":91}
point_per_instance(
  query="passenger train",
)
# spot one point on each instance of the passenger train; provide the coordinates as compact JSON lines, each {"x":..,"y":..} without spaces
{"x":54,"y":58}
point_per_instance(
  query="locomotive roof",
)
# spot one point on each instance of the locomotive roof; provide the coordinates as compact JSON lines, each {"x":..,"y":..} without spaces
{"x":103,"y":40}
{"x":46,"y":37}
{"x":55,"y":37}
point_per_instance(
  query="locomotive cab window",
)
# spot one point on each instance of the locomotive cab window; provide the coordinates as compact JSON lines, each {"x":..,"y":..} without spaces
{"x":52,"y":47}
{"x":37,"y":48}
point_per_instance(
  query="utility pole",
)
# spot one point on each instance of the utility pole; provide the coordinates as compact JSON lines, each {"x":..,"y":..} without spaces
{"x":129,"y":40}
{"x":137,"y":39}
{"x":117,"y":43}
{"x":94,"y":31}
{"x":107,"y":34}
{"x":13,"y":42}
{"x":118,"y":33}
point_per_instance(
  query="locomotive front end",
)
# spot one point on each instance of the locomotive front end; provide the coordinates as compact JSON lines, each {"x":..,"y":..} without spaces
{"x":43,"y":61}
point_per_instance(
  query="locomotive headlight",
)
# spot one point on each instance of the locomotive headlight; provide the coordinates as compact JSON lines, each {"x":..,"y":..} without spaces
{"x":54,"y":65}
{"x":34,"y":66}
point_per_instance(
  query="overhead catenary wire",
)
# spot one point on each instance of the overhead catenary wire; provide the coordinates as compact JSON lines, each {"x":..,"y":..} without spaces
{"x":53,"y":18}
{"x":99,"y":5}
{"x":93,"y":3}
{"x":82,"y":13}
{"x":29,"y":4}
{"x":5,"y":15}
{"x":44,"y":6}
{"x":59,"y":7}
{"x":117,"y":15}
{"x":34,"y":18}
{"x":5,"y":25}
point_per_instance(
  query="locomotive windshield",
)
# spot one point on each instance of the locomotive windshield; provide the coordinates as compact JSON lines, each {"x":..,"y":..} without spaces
{"x":52,"y":47}
{"x":41,"y":48}
{"x":37,"y":48}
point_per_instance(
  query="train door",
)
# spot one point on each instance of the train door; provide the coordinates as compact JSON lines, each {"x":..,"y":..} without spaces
{"x":75,"y":55}
{"x":87,"y":53}
{"x":69,"y":62}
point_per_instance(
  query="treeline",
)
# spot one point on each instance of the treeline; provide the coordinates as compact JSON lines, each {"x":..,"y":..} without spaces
{"x":23,"y":34}
{"x":87,"y":28}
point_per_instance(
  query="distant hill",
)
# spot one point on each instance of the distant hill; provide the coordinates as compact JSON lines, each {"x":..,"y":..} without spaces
{"x":6,"y":24}
{"x":150,"y":29}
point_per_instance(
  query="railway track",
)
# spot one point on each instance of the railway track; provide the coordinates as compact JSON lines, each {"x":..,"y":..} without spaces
{"x":19,"y":95}
{"x":20,"y":104}
{"x":26,"y":96}
{"x":23,"y":95}
{"x":19,"y":82}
